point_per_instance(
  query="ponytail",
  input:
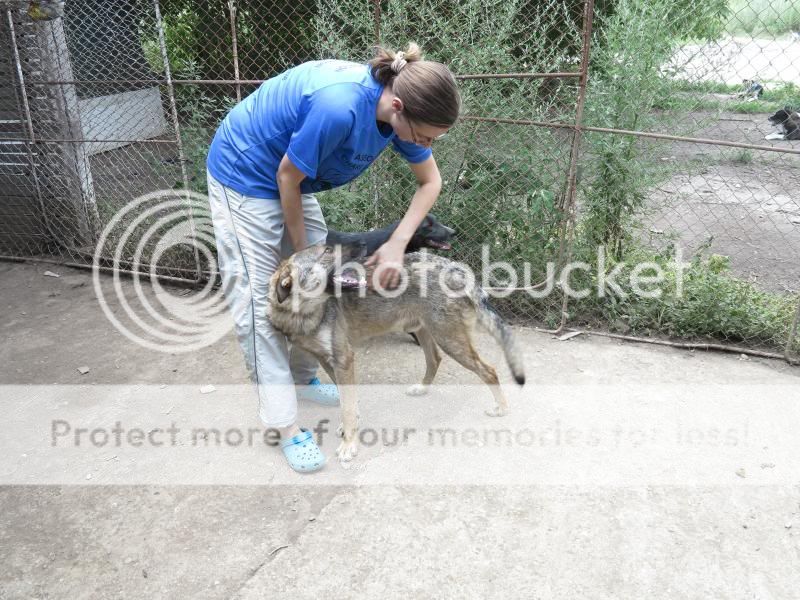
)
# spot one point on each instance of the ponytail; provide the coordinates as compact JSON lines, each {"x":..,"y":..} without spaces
{"x":387,"y":64}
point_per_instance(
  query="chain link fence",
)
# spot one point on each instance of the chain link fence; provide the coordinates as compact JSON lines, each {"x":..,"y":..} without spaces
{"x":608,"y":134}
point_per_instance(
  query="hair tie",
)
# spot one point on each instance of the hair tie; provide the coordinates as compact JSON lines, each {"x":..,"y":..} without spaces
{"x":399,"y":62}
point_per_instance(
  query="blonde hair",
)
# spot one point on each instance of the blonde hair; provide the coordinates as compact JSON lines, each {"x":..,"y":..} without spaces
{"x":427,"y":88}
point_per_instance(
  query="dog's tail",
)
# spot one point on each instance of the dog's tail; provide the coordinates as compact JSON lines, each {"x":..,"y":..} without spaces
{"x":501,"y":332}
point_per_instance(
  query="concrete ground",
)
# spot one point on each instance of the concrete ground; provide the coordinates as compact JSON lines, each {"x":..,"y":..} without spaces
{"x":733,"y":534}
{"x":747,"y":211}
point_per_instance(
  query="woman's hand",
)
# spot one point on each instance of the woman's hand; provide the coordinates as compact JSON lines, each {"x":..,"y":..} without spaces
{"x":388,"y":260}
{"x":389,"y":257}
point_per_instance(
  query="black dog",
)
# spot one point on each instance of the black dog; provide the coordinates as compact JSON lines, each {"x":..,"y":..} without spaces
{"x":430,"y":234}
{"x":788,"y":121}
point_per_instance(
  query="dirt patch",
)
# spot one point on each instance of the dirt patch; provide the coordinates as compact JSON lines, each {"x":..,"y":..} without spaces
{"x":743,"y":204}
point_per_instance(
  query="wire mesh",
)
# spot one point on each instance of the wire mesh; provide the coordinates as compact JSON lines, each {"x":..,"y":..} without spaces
{"x":105,"y":103}
{"x":707,"y":173}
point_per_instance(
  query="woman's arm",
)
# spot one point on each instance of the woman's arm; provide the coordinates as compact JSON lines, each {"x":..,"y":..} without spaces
{"x":289,"y":178}
{"x":429,"y":184}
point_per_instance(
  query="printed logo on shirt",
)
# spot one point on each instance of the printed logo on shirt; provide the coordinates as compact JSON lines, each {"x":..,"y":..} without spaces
{"x":364,"y":159}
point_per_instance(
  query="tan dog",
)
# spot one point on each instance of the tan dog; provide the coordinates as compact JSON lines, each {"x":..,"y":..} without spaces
{"x":328,"y":326}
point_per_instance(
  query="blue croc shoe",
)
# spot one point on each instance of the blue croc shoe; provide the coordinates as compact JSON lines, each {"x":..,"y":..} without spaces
{"x":302,"y":452}
{"x":326,"y":394}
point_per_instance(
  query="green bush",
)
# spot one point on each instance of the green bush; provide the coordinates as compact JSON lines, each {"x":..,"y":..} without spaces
{"x":760,"y":17}
{"x":710,"y":302}
{"x":633,"y":45}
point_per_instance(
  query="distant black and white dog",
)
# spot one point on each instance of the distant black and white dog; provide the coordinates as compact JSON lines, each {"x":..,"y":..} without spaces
{"x":788,"y":122}
{"x":751,"y":89}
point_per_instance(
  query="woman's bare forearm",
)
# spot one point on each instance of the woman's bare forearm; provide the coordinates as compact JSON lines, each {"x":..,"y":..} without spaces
{"x":289,"y":178}
{"x":421,"y":204}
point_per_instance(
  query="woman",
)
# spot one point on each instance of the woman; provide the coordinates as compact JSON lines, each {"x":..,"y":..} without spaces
{"x":315,"y":127}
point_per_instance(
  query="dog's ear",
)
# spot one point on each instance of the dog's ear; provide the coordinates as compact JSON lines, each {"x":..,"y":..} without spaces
{"x":284,"y":287}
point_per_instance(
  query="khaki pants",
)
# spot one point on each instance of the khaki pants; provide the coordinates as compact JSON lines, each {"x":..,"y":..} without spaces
{"x":251,"y":241}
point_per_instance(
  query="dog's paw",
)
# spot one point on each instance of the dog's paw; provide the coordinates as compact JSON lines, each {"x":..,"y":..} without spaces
{"x":418,"y":389}
{"x":497,"y":411}
{"x":347,"y":451}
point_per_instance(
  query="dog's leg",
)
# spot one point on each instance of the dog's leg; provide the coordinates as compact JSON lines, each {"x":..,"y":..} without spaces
{"x":345,"y":378}
{"x":432,"y":360}
{"x":458,"y":345}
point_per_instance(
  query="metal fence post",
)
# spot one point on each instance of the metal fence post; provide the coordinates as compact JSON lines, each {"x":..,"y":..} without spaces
{"x":181,"y":156}
{"x":572,"y":184}
{"x":377,"y":21}
{"x":787,"y":353}
{"x":235,"y":49}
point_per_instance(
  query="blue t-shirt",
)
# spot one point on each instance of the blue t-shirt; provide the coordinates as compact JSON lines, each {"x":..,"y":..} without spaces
{"x":321,"y":114}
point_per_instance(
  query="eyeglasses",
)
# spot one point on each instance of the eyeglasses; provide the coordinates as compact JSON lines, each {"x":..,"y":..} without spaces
{"x":422,"y":140}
